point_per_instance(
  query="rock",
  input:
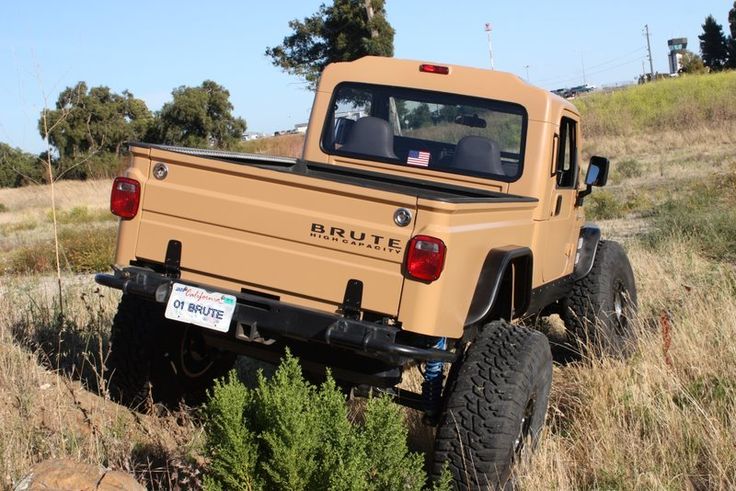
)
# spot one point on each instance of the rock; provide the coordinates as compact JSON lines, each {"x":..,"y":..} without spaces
{"x":67,"y":474}
{"x":116,"y":480}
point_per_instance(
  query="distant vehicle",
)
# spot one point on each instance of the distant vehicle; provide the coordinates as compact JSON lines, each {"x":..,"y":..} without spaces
{"x":581,"y":89}
{"x":570,"y":93}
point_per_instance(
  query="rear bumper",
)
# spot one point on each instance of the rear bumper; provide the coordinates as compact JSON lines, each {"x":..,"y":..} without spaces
{"x":256,"y":316}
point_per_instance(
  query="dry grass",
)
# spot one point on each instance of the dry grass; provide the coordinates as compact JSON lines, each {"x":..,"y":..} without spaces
{"x":69,"y":194}
{"x":662,"y":420}
{"x":285,"y":145}
{"x":52,"y":400}
{"x":86,"y":228}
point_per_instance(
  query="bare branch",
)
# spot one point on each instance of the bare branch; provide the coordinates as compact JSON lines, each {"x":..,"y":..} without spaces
{"x":81,"y":162}
{"x":53,"y":203}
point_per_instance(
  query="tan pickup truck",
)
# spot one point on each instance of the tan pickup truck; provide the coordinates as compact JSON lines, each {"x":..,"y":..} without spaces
{"x":433,"y":205}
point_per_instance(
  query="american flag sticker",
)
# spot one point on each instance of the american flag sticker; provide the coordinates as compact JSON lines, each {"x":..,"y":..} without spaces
{"x":418,"y":157}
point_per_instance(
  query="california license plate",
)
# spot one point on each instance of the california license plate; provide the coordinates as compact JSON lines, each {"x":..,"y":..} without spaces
{"x":200,"y":307}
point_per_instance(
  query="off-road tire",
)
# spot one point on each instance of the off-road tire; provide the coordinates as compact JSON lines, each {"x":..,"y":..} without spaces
{"x":495,"y":406}
{"x":146,"y":362}
{"x":600,"y":309}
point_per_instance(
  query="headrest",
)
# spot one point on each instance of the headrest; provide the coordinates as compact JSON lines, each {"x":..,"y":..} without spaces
{"x":371,"y":136}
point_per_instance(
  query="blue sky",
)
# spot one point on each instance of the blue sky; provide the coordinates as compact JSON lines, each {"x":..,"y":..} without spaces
{"x":151,"y":47}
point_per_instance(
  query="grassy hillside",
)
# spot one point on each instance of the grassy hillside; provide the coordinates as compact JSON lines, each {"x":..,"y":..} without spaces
{"x":704,"y":101}
{"x":662,"y":420}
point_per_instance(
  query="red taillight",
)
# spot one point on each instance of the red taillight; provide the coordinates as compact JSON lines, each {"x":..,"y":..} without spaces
{"x":425,"y":258}
{"x":442,"y":70}
{"x":126,"y":193}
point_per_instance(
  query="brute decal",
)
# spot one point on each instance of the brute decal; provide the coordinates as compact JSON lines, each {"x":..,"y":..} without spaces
{"x":355,"y":238}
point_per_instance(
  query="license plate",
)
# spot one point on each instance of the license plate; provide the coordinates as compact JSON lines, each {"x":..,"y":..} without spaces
{"x":200,"y":307}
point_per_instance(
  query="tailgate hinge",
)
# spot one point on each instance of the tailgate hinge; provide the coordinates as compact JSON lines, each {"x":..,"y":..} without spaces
{"x":352,"y":300}
{"x":172,"y":262}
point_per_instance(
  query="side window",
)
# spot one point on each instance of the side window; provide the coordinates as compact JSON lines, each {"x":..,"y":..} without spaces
{"x":567,"y":165}
{"x":352,"y":105}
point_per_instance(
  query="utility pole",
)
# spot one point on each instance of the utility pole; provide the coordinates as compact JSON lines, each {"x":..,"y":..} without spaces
{"x":527,"y":73}
{"x":489,"y":28}
{"x":649,"y":50}
{"x":582,"y":63}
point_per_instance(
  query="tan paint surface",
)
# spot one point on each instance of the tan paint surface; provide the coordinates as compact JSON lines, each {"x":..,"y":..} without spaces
{"x":247,"y":227}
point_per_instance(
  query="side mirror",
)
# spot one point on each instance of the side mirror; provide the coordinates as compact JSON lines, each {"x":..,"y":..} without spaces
{"x":597,"y":176}
{"x":597,"y":171}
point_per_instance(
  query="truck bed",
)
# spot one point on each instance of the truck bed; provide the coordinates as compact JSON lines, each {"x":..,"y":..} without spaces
{"x":373,"y":180}
{"x":285,"y":228}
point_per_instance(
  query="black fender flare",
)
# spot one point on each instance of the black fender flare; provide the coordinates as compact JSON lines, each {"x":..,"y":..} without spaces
{"x":590,"y":236}
{"x":492,"y":273}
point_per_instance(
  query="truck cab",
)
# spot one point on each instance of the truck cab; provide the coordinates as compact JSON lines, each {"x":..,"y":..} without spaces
{"x":465,"y":127}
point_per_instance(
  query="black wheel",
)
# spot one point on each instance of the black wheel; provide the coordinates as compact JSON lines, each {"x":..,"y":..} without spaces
{"x":153,"y":356}
{"x":495,"y":406}
{"x":601,"y":307}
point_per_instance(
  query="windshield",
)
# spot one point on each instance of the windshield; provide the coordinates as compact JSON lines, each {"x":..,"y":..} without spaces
{"x":435,"y":130}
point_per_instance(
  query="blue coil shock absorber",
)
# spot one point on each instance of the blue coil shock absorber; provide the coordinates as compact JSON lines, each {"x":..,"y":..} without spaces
{"x":432,"y":385}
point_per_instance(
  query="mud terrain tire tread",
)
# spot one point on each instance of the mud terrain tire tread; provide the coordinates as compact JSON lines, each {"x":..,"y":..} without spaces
{"x":504,"y":368}
{"x":588,"y":310}
{"x":128,"y":365}
{"x":144,"y":358}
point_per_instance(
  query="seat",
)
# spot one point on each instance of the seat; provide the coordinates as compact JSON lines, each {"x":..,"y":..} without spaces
{"x":343,"y":126}
{"x":370,"y":136}
{"x":478,"y":154}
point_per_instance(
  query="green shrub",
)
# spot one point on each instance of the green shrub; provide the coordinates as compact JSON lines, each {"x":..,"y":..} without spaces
{"x":87,"y":251}
{"x":18,"y":168}
{"x":11,"y":227}
{"x":629,"y":168}
{"x":80,"y":215}
{"x":384,"y":436}
{"x":231,"y":445}
{"x":603,"y":205}
{"x":81,"y":250}
{"x":289,"y":434}
{"x":704,"y":215}
{"x":3,"y":208}
{"x":639,"y":201}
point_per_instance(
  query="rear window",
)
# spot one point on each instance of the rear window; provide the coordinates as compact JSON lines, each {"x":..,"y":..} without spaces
{"x":435,"y":130}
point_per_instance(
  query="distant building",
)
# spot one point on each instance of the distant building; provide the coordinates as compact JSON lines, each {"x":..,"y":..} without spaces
{"x":354,"y":115}
{"x":300,"y":128}
{"x":252,"y":135}
{"x":677,"y":49}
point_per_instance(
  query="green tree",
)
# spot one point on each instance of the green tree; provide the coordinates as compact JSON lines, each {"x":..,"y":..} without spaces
{"x":692,"y":63}
{"x":18,"y":167}
{"x":419,"y":117}
{"x":731,"y":42}
{"x":198,"y":117}
{"x":96,"y":119}
{"x":713,"y":45}
{"x":345,"y":31}
{"x":92,"y":122}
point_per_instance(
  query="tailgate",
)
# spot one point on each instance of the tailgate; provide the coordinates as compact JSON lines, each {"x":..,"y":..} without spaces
{"x":273,"y":231}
